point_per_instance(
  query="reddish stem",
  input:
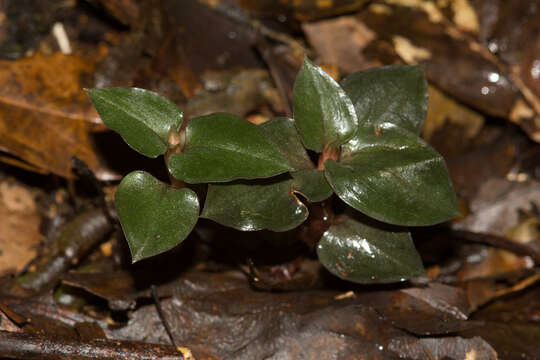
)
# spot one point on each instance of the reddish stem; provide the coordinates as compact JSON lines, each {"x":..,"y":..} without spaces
{"x":329,"y":152}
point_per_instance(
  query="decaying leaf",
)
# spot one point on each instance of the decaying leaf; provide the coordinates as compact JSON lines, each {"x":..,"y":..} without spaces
{"x":419,"y":32}
{"x":348,"y":55}
{"x":45,"y":118}
{"x":309,"y":324}
{"x":20,"y":220}
{"x":495,"y":208}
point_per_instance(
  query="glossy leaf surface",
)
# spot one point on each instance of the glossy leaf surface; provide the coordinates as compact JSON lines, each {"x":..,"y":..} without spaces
{"x":223,"y":147}
{"x":323,"y":112}
{"x":394,"y":94}
{"x":394,"y":177}
{"x":255,"y":205}
{"x":142,"y":117}
{"x":312,"y":184}
{"x":154,"y":216}
{"x":282,"y":132}
{"x":366,"y":251}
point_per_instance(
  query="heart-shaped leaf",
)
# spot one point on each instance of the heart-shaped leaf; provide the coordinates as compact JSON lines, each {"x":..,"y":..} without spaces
{"x":143,"y":118}
{"x":223,"y":147}
{"x":367,"y":251}
{"x":312,"y":184}
{"x":393,"y":176}
{"x":323,"y":112}
{"x":394,"y":94}
{"x":155,"y":217}
{"x":282,"y":132}
{"x":255,"y":205}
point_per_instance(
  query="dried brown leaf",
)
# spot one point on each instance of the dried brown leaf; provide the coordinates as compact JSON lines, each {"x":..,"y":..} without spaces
{"x":45,"y":116}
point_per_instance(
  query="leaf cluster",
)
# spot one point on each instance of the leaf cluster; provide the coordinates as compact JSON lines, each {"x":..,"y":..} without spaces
{"x":365,"y":132}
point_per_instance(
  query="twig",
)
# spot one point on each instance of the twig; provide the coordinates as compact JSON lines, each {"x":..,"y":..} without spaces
{"x":162,"y":315}
{"x":499,"y":242}
{"x":77,"y":238}
{"x":17,"y":345}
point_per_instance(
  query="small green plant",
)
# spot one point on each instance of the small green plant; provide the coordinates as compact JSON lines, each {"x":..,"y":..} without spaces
{"x":365,"y":132}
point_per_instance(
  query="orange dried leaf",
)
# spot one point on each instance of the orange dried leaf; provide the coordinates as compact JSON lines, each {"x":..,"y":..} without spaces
{"x":45,"y":116}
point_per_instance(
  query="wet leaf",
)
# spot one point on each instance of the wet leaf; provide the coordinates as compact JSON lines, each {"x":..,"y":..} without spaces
{"x":311,"y":324}
{"x":291,"y":325}
{"x":513,"y":340}
{"x":312,"y":184}
{"x":369,"y":252}
{"x":154,"y":216}
{"x":323,"y":113}
{"x":118,"y":288}
{"x":255,"y":205}
{"x":496,"y":204}
{"x":394,"y":177}
{"x":143,"y":118}
{"x":222,"y":147}
{"x":393,"y":94}
{"x":435,"y":309}
{"x":460,"y":66}
{"x":453,"y":348}
{"x":282,"y":132}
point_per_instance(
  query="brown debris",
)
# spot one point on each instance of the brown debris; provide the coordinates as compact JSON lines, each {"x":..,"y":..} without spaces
{"x":19,"y":221}
{"x":481,"y":302}
{"x":45,"y":116}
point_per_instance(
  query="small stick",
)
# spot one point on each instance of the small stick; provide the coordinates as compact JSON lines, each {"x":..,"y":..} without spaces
{"x":77,"y":238}
{"x":499,"y":242}
{"x":20,"y":345}
{"x":162,"y":315}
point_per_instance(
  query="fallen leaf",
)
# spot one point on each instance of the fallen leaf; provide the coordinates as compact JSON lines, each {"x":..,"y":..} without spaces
{"x":418,"y":32}
{"x":19,"y":221}
{"x":341,"y":41}
{"x":456,"y":348}
{"x":45,"y":117}
{"x":494,"y":209}
{"x":117,"y":288}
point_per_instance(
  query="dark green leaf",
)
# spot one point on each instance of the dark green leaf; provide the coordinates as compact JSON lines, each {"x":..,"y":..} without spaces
{"x":393,"y":177}
{"x":154,"y":216}
{"x":323,"y":112}
{"x":367,"y":251}
{"x":255,"y":205}
{"x":282,"y":132}
{"x":223,"y":147}
{"x":143,"y":118}
{"x":312,"y":184}
{"x":394,"y":94}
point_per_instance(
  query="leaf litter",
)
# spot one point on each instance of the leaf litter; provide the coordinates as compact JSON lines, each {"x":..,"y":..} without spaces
{"x":479,"y":300}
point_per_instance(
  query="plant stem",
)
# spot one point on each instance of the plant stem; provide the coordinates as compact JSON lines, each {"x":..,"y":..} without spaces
{"x":329,"y":152}
{"x":176,"y":143}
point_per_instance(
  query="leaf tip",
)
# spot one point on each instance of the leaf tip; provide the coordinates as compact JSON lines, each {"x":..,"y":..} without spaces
{"x":307,"y":61}
{"x":136,"y":257}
